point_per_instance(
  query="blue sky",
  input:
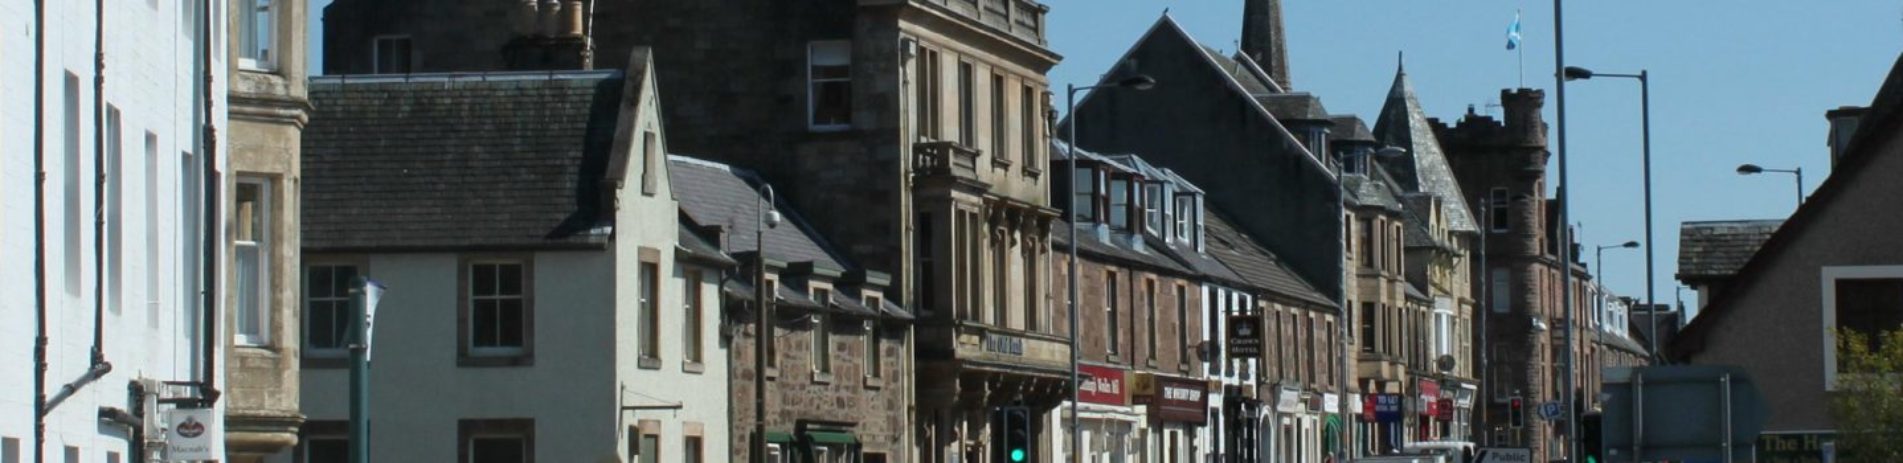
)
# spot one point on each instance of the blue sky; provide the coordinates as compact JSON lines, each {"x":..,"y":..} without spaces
{"x":1732,"y":82}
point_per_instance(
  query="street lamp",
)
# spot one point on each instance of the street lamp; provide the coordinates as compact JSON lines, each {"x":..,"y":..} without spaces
{"x":1645,"y":117}
{"x":1565,"y":233}
{"x":366,"y":293}
{"x":1754,"y":169}
{"x":766,"y":215}
{"x":1341,"y":210}
{"x":1138,"y":82}
{"x":1599,"y":258}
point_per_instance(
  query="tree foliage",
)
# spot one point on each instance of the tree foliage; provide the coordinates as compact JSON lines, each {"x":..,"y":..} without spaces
{"x":1868,"y":404}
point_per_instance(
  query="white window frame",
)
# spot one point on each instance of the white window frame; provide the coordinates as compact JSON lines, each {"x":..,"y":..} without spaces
{"x":822,"y":336}
{"x":263,"y":279}
{"x":812,"y":104}
{"x":342,"y":349}
{"x":1154,"y":194}
{"x":775,"y":453}
{"x":470,"y":306}
{"x":1829,"y":275}
{"x":247,"y":28}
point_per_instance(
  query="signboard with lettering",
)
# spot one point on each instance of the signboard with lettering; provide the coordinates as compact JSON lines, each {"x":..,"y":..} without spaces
{"x":1387,"y":408}
{"x":1430,"y":397}
{"x":1819,"y":447}
{"x":1174,"y":399}
{"x":189,"y":435}
{"x":1245,"y":336}
{"x":1288,"y":400}
{"x":1101,"y":385}
{"x":1445,"y":411}
{"x":1004,"y":344}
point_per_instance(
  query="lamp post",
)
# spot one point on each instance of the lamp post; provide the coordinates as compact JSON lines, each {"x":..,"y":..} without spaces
{"x":1565,"y":217}
{"x":1139,"y":82}
{"x":1645,"y":118}
{"x":1599,"y":258}
{"x":1754,"y":169}
{"x":765,"y":215}
{"x":1341,"y":210}
{"x":366,"y":293}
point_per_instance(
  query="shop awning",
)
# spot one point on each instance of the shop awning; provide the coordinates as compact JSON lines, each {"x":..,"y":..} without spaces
{"x":779,"y":437}
{"x":1331,"y":433}
{"x":837,"y":438}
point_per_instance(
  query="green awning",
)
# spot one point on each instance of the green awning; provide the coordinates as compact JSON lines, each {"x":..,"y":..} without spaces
{"x":1331,"y":433}
{"x":823,"y":437}
{"x":779,"y":437}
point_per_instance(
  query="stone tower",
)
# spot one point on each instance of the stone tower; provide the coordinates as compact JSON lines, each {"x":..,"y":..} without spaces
{"x":1263,"y":39}
{"x":1501,"y":165}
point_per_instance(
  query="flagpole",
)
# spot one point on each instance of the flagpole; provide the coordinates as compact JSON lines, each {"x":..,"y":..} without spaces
{"x":1520,"y":50}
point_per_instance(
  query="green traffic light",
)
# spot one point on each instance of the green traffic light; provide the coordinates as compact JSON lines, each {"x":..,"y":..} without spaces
{"x":1017,"y":455}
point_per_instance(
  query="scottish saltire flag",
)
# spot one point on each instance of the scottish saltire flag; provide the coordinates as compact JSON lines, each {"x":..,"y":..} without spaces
{"x":1513,"y":33}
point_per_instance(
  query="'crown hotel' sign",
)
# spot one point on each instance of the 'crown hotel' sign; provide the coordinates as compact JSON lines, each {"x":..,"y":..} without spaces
{"x":1244,"y":336}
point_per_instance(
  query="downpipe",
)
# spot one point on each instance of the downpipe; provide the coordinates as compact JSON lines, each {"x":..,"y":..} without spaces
{"x":98,"y":366}
{"x":39,"y":231}
{"x":208,"y":384}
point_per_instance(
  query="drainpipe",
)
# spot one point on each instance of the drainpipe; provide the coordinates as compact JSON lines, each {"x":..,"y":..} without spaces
{"x":207,"y":386}
{"x":39,"y":230}
{"x":99,"y":364}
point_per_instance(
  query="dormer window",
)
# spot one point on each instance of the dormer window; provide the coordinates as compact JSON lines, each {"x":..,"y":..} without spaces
{"x":1153,"y":196}
{"x":1120,"y":203}
{"x":1086,"y":194}
{"x":1185,"y":217}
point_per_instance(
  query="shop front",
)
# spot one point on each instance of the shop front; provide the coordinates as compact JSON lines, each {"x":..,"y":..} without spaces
{"x":1111,"y":427}
{"x":1384,"y":413}
{"x":1235,"y":426}
{"x":1176,"y":409}
{"x":1426,"y":408}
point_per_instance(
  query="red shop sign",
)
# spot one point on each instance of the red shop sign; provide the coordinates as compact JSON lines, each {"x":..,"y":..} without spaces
{"x":1101,"y":385}
{"x":1430,"y":397}
{"x":1446,"y":410}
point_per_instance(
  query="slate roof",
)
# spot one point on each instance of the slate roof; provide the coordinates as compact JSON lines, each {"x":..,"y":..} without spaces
{"x":1372,"y":192}
{"x":1255,"y":264}
{"x":1115,"y":245}
{"x":1622,"y":343}
{"x":1717,"y":249}
{"x":483,"y":161}
{"x":700,"y":248}
{"x":1238,"y":67}
{"x":714,"y":194}
{"x":1349,"y":128}
{"x":1295,"y":106}
{"x":1403,"y":123}
{"x":1418,"y":233}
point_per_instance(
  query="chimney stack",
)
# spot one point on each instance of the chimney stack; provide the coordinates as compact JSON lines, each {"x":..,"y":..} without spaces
{"x":572,"y":14}
{"x":1263,"y":39}
{"x":1843,"y":126}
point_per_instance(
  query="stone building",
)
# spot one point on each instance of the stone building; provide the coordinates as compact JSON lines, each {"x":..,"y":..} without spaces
{"x":269,"y":107}
{"x":838,"y":369}
{"x":115,"y":292}
{"x":1502,"y":165}
{"x":536,"y":310}
{"x":928,"y":116}
{"x":1438,"y":232}
{"x":1139,"y":297}
{"x":1833,"y":265}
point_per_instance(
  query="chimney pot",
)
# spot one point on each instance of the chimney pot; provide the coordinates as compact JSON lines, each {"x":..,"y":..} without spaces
{"x":572,"y":13}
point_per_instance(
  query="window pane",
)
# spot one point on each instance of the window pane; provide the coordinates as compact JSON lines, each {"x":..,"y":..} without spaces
{"x":1870,"y":307}
{"x":498,"y":450}
{"x":321,"y":284}
{"x":832,"y":102}
{"x":650,"y":448}
{"x":345,"y":276}
{"x":248,"y":318}
{"x":483,"y":323}
{"x":509,"y":279}
{"x":326,"y":451}
{"x":482,"y":280}
{"x":511,"y":328}
{"x":324,"y":321}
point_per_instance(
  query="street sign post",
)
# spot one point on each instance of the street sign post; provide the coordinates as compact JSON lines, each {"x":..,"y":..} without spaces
{"x":1552,"y":410}
{"x":1681,"y":413}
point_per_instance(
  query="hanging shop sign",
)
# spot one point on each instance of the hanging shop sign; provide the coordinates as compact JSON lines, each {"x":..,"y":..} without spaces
{"x":189,"y":433}
{"x":1172,"y":399}
{"x":1429,"y":397}
{"x":1245,"y":336}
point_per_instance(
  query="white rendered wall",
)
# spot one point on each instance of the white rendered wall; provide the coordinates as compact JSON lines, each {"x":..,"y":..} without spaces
{"x":151,"y":78}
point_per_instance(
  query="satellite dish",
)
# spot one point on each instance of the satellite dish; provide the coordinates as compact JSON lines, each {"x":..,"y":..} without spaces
{"x":1445,"y":363}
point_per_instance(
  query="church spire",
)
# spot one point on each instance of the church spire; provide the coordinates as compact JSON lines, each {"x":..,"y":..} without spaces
{"x":1263,"y":39}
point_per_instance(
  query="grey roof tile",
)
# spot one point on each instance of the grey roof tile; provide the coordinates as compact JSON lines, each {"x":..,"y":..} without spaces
{"x":714,"y":194}
{"x":485,"y":161}
{"x":1349,"y":128}
{"x":1403,"y":123}
{"x":1295,"y":106}
{"x":1255,"y":264}
{"x":1717,"y":249}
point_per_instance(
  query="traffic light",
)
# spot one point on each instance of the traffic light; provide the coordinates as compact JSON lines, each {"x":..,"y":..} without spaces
{"x":1591,"y":448}
{"x":1011,"y":430}
{"x":1516,"y":412}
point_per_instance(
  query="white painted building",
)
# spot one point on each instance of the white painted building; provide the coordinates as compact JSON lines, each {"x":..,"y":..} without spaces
{"x":541,"y":304}
{"x":123,"y":283}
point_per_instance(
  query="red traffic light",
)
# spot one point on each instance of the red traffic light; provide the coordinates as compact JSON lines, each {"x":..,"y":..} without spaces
{"x":1515,"y":403}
